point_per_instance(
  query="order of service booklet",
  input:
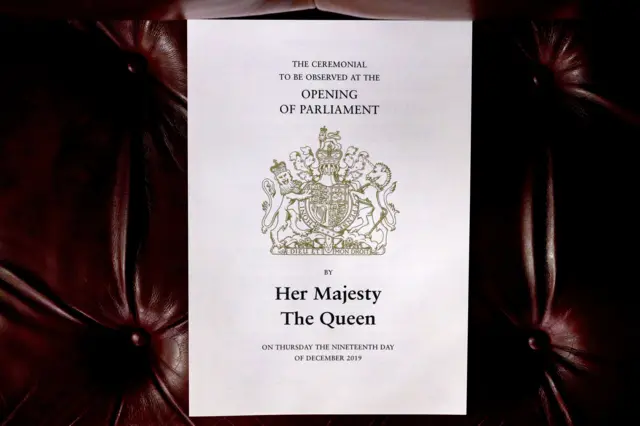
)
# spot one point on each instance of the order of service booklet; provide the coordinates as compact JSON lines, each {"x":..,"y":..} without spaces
{"x":329,"y":168}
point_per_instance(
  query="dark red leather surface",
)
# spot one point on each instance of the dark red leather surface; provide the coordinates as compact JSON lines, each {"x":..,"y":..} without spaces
{"x":93,"y":219}
{"x":93,"y":227}
{"x":377,"y":9}
{"x":397,"y":9}
{"x":93,"y":9}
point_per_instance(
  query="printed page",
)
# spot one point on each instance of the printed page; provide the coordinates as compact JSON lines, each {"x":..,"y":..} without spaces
{"x":329,"y":168}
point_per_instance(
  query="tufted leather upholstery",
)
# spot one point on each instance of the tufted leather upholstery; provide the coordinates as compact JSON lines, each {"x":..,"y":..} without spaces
{"x":93,"y":9}
{"x":384,"y":9}
{"x":379,"y":9}
{"x":93,"y":226}
{"x":93,"y":246}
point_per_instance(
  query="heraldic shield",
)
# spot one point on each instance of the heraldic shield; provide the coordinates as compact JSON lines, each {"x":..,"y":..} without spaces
{"x":330,"y":209}
{"x":331,"y":202}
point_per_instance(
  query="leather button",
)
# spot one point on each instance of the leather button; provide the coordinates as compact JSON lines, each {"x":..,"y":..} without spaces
{"x":539,"y":341}
{"x":139,"y":338}
{"x":544,"y":77}
{"x":136,"y":63}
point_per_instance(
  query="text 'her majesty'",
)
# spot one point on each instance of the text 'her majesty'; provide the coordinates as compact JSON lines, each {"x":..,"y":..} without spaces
{"x":343,"y":295}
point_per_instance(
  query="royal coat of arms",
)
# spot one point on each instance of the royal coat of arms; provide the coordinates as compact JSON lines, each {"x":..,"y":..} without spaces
{"x":337,"y":205}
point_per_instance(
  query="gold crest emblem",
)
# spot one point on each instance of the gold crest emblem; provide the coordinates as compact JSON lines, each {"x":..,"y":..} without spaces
{"x":337,"y":203}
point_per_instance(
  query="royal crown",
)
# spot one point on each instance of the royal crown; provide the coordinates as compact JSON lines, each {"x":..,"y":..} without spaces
{"x":330,"y":150}
{"x":278,"y":167}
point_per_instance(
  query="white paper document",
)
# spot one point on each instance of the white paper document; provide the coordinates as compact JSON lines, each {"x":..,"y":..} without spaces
{"x":329,"y":168}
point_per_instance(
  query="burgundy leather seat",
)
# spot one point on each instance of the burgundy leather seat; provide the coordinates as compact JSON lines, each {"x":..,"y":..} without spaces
{"x":384,"y":9}
{"x":381,"y":9}
{"x":93,"y":228}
